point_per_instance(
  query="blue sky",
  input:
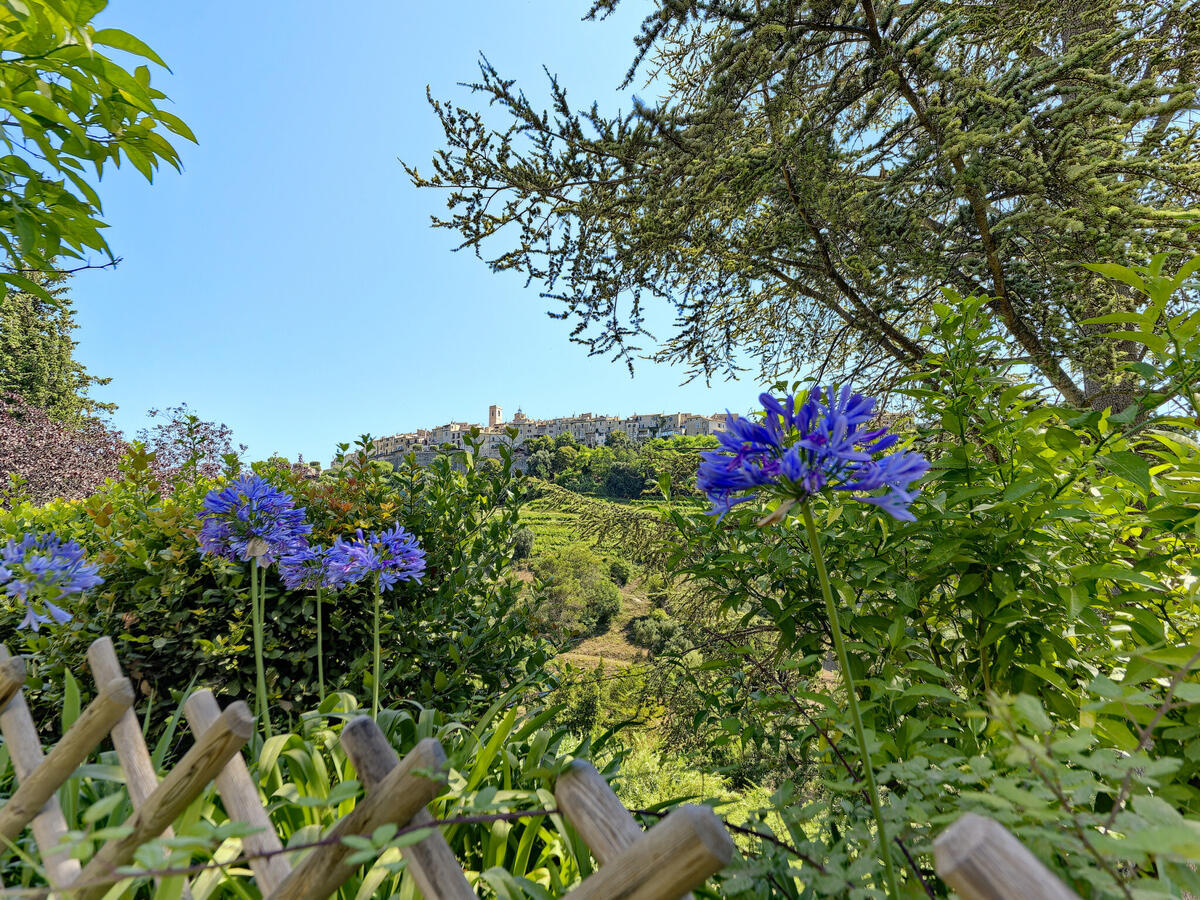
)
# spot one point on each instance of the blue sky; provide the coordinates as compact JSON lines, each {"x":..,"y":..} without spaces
{"x":288,"y":282}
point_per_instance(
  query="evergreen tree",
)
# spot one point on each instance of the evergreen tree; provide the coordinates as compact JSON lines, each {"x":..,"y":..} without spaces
{"x":813,"y":172}
{"x":37,"y":353}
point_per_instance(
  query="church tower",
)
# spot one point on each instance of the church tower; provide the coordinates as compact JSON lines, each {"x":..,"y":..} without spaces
{"x":495,"y":416}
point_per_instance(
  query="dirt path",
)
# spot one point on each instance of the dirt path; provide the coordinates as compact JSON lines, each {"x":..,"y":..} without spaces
{"x":613,"y":646}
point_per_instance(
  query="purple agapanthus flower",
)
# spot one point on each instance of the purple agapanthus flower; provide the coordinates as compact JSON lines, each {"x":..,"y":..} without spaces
{"x":394,"y":555}
{"x":800,"y":451}
{"x":44,"y":569}
{"x":312,"y":568}
{"x":251,"y":519}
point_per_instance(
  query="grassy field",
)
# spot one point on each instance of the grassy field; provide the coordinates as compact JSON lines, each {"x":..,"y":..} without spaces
{"x":553,"y":528}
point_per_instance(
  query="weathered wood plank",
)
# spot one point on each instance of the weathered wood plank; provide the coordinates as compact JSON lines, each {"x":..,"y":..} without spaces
{"x":673,"y":857}
{"x":983,"y":860}
{"x":396,"y":799}
{"x":240,"y":796}
{"x":178,"y":788}
{"x":438,"y":874}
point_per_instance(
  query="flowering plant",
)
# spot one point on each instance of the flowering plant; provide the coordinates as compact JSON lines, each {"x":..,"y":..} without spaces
{"x":44,"y":569}
{"x":800,"y":452}
{"x":392,"y":556}
{"x":387,"y":558}
{"x":251,"y":520}
{"x":314,"y":568}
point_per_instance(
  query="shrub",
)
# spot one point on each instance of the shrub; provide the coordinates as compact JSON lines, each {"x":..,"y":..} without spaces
{"x":602,"y":609}
{"x":1025,"y":645}
{"x":523,"y":543}
{"x":458,"y":639}
{"x":654,"y":631}
{"x":309,"y":780}
{"x":42,"y":459}
{"x":619,"y":572}
{"x":657,"y":591}
{"x":625,"y":480}
{"x":578,"y":596}
{"x":583,"y":706}
{"x":186,"y":447}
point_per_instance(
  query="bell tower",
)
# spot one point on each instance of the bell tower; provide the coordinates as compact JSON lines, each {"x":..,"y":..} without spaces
{"x":495,"y":416}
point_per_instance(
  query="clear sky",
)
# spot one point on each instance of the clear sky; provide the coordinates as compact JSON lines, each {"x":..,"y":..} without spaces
{"x":288,"y":282}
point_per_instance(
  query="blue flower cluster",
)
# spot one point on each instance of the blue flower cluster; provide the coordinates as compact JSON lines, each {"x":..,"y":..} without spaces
{"x":798,"y":452}
{"x":305,"y":568}
{"x":394,"y":555}
{"x":313,"y":568}
{"x":45,"y":568}
{"x":251,"y":519}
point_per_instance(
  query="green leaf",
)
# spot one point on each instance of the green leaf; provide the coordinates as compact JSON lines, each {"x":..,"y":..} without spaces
{"x":1113,"y":573}
{"x":1129,"y":466}
{"x":101,"y":808}
{"x":1031,"y":710}
{"x":930,"y":690}
{"x":123,"y":40}
{"x":1120,"y":273}
{"x":1061,"y":439}
{"x":71,"y":701}
{"x":1122,"y":318}
{"x":1156,"y":342}
{"x":20,"y":282}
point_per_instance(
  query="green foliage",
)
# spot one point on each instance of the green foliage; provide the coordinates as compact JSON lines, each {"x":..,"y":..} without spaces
{"x":1026,"y":648}
{"x":623,"y":471}
{"x":68,"y":108}
{"x":460,"y":638}
{"x":619,"y":572}
{"x":809,"y":171}
{"x":657,"y":591}
{"x":584,"y":701}
{"x":657,"y":632}
{"x":624,"y":481}
{"x":523,"y":539}
{"x":37,"y":352}
{"x":617,"y":439}
{"x":578,"y":597}
{"x":652,"y":775}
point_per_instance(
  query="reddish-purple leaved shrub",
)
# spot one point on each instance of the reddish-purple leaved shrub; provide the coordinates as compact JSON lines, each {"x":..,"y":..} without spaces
{"x":42,"y":459}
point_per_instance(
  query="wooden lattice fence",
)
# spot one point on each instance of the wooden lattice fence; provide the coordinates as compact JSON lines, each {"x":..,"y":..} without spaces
{"x":976,"y":856}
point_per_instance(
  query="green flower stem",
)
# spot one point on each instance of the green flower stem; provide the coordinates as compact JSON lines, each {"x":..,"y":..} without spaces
{"x":260,"y":683}
{"x":860,"y":736}
{"x":375,"y":677}
{"x":320,"y":653}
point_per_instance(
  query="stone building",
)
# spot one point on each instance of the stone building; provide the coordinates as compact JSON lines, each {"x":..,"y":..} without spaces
{"x":588,"y":429}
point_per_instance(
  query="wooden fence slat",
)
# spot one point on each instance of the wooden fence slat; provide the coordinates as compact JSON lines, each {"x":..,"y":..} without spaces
{"x":133,"y":755}
{"x":396,"y":799}
{"x":240,"y":796}
{"x":438,"y":874}
{"x":983,"y":860}
{"x":12,"y":678}
{"x":140,"y":777}
{"x":593,"y":810}
{"x":178,"y":788}
{"x":25,"y":751}
{"x":66,"y":756}
{"x":675,"y":856}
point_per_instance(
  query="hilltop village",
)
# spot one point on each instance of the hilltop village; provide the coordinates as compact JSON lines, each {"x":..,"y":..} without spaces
{"x":588,"y":429}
